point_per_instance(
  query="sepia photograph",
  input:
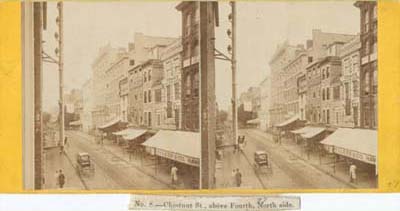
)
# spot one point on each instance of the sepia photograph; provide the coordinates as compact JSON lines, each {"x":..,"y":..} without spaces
{"x":296,"y":91}
{"x":116,"y":95}
{"x":174,"y":95}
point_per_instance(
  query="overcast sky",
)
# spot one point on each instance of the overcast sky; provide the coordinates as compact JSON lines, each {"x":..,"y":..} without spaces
{"x":90,"y":25}
{"x":261,"y":26}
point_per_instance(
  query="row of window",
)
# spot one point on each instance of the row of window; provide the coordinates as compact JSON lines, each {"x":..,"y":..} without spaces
{"x":158,"y":97}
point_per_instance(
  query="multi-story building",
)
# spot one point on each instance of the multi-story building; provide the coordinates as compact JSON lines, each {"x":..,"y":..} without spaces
{"x":264,"y":103}
{"x":143,"y":49}
{"x":313,"y":99}
{"x":190,"y":64}
{"x":350,"y":80}
{"x":108,"y":68}
{"x":123,"y":96}
{"x":368,"y":64}
{"x":251,"y":100}
{"x":172,"y":71}
{"x":302,"y":93}
{"x":152,"y":71}
{"x":331,"y":68}
{"x":135,"y":96}
{"x":293,"y":71}
{"x":283,"y":55}
{"x":116,"y":73}
{"x":87,"y":98}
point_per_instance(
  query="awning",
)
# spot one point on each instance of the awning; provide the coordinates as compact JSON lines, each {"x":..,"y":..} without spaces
{"x":360,"y":144}
{"x":254,"y":121}
{"x":181,"y":146}
{"x":133,"y":133}
{"x":288,"y":122}
{"x":308,"y":131}
{"x":300,"y":131}
{"x":76,"y":123}
{"x":109,"y":124}
{"x":130,"y":133}
{"x":311,"y":132}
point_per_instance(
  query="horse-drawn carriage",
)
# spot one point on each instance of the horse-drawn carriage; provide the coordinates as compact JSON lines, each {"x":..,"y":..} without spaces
{"x":261,"y":161}
{"x":84,"y":164}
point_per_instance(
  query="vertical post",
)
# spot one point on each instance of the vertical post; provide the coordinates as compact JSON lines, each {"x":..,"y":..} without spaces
{"x":38,"y":141}
{"x":208,"y":98}
{"x":61,"y":70}
{"x":234,"y":84}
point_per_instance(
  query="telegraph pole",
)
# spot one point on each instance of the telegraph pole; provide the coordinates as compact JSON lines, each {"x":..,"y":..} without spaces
{"x":38,"y":78}
{"x":208,"y":99}
{"x":234,"y":84}
{"x":60,"y":53}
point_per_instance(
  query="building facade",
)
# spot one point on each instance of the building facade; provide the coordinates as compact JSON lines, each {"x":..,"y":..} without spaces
{"x":87,"y":98}
{"x":331,"y":103}
{"x":368,"y":64}
{"x":190,"y":65}
{"x":350,"y":80}
{"x":263,"y":113}
{"x":283,"y":55}
{"x":144,"y":49}
{"x":313,"y":99}
{"x":293,"y":71}
{"x":172,"y":71}
{"x":135,"y":96}
{"x":123,"y":96}
{"x":108,"y":68}
{"x":152,"y":92}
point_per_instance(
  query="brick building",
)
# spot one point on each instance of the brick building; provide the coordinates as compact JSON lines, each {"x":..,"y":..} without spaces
{"x":190,"y":64}
{"x":172,"y":61}
{"x":350,"y":79}
{"x":368,"y":63}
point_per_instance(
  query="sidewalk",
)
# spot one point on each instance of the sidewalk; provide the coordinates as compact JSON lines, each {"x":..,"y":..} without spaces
{"x":231,"y":161}
{"x":325,"y":164}
{"x":145,"y":164}
{"x":54,"y":161}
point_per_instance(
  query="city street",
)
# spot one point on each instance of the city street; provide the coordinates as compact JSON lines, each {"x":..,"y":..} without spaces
{"x":111,"y":172}
{"x":288,"y":171}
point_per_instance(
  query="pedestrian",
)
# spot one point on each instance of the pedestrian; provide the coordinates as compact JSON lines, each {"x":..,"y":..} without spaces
{"x":61,"y":179}
{"x":238,"y":177}
{"x":61,"y":149}
{"x":174,"y":175}
{"x":56,"y":178}
{"x":233,"y":177}
{"x":66,"y":141}
{"x":352,"y":172}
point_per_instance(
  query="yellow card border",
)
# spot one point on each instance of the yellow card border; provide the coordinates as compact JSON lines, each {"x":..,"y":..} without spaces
{"x":11,"y":173}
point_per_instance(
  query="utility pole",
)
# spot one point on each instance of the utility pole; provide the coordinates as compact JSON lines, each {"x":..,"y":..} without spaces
{"x":208,"y":20}
{"x":38,"y":67}
{"x":234,"y":84}
{"x":60,"y":53}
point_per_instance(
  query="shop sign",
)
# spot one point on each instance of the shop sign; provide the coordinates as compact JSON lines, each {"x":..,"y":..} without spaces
{"x":355,"y":155}
{"x":177,"y":157}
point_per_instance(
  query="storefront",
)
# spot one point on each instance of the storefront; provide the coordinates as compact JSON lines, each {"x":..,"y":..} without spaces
{"x":357,"y":146}
{"x":179,"y":148}
{"x":309,"y":138}
{"x":283,"y":129}
{"x":106,"y":131}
